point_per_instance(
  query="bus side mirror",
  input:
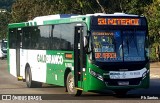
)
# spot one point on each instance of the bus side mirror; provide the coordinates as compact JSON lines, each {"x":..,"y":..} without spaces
{"x":85,"y":41}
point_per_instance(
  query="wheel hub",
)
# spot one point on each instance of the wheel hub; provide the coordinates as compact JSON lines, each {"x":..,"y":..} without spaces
{"x":71,"y":84}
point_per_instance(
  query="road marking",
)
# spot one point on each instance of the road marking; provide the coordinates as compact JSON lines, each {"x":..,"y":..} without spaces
{"x":154,"y":76}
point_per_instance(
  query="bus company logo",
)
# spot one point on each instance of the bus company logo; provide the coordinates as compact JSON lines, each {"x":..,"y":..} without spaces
{"x":50,"y":59}
{"x":6,"y":97}
{"x":21,"y":97}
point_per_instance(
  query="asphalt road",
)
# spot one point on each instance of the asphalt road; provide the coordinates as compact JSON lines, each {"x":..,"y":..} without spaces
{"x":10,"y":86}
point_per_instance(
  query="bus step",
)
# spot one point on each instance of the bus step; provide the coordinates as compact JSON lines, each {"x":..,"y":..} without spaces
{"x":79,"y":88}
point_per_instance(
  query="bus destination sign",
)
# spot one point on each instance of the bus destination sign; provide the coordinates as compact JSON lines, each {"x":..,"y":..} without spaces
{"x":119,"y":21}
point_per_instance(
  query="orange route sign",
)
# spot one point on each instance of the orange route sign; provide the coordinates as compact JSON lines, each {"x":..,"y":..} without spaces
{"x":105,"y":55}
{"x":118,"y":21}
{"x":68,"y":55}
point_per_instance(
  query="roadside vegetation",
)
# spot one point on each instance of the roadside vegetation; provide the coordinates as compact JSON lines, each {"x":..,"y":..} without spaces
{"x":24,"y":10}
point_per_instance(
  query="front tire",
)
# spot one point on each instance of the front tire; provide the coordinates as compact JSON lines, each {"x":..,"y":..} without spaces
{"x":71,"y":87}
{"x":29,"y":82}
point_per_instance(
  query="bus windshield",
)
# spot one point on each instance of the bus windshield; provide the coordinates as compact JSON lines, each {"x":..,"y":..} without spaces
{"x":118,"y":46}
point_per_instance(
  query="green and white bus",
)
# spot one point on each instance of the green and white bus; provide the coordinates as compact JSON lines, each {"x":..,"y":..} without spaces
{"x":92,"y":52}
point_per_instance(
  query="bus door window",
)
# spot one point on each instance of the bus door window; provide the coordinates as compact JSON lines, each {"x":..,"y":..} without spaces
{"x":78,"y":54}
{"x":12,"y":38}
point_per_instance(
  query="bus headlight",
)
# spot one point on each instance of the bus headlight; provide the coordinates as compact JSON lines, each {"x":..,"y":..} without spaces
{"x":95,"y":74}
{"x":144,"y":74}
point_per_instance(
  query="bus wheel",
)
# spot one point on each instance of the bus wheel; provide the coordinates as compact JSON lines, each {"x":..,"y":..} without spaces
{"x":70,"y":86}
{"x":29,"y":82}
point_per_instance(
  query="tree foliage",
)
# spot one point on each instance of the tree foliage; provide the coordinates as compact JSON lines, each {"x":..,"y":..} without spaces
{"x":4,"y":20}
{"x":152,"y":12}
{"x":24,"y":10}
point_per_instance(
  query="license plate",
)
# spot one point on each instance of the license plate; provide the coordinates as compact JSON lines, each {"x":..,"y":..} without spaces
{"x":123,"y":83}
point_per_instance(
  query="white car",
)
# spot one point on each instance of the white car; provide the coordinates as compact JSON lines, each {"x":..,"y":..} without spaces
{"x":3,"y":49}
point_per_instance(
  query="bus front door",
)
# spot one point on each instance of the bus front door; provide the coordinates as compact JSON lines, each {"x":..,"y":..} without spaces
{"x":78,"y":56}
{"x":18,"y":47}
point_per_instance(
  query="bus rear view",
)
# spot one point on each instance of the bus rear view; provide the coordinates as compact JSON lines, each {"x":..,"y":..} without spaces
{"x":119,"y":53}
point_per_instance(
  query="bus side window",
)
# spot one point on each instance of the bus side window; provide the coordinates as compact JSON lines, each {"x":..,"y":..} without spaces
{"x":67,"y":36}
{"x":12,"y":38}
{"x":26,"y":38}
{"x":56,"y":38}
{"x":43,"y":35}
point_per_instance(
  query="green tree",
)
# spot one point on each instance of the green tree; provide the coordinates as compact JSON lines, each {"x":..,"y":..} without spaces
{"x":152,"y":12}
{"x":22,"y":10}
{"x":125,"y":6}
{"x":4,"y":20}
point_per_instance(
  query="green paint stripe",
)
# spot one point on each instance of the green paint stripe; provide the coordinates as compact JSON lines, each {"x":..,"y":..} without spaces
{"x":16,"y":25}
{"x":65,"y":20}
{"x":69,"y":61}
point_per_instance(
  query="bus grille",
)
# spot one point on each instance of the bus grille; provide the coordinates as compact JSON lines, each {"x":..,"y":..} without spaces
{"x":114,"y":82}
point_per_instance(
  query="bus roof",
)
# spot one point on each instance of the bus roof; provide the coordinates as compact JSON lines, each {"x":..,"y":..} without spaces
{"x":60,"y":16}
{"x":42,"y":20}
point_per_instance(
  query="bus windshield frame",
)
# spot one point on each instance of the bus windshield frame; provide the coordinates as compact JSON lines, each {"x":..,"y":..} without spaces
{"x":119,"y":43}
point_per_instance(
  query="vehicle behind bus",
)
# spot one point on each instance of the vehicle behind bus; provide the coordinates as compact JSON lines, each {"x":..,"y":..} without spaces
{"x":3,"y":49}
